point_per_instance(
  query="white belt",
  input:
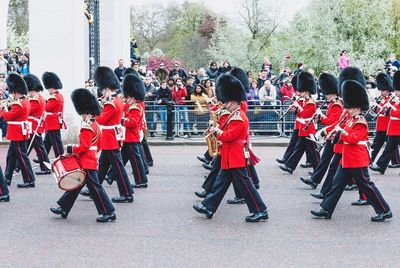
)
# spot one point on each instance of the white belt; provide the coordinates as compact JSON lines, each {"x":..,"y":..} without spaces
{"x":34,"y":118}
{"x":358,"y":143}
{"x":301,"y":120}
{"x":93,"y":148}
{"x":394,"y":118}
{"x":111,"y":127}
{"x":381,"y":115}
{"x":21,"y":123}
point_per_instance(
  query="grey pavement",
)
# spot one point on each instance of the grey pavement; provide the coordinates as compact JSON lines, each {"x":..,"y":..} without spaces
{"x":160,"y":229}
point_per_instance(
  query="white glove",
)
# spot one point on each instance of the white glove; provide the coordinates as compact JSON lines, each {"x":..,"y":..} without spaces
{"x":319,"y":112}
{"x":318,"y":135}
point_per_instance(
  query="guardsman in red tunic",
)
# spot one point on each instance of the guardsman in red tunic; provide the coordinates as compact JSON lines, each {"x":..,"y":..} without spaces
{"x":329,"y":87}
{"x":393,"y":131}
{"x":54,"y":119}
{"x":112,"y":134}
{"x":86,"y":105}
{"x":133,"y":90}
{"x":38,"y":105}
{"x":355,"y":156}
{"x":18,"y":131}
{"x":234,"y":153}
{"x":306,"y":110}
{"x":384,"y":84}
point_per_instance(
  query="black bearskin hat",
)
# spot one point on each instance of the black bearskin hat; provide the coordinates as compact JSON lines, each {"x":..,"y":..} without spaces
{"x":354,"y":95}
{"x":384,"y":82}
{"x":130,"y":71}
{"x":229,"y":88}
{"x":396,"y":81}
{"x":51,"y":80}
{"x":16,"y":84}
{"x":306,"y":82}
{"x":133,"y":86}
{"x":373,"y":84}
{"x":106,"y":78}
{"x":328,"y":84}
{"x":242,"y":76}
{"x":352,"y":73}
{"x":33,"y":83}
{"x":85,"y":102}
{"x":294,"y":82}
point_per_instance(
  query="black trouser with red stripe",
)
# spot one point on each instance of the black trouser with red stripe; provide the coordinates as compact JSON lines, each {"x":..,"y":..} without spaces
{"x":53,"y":139}
{"x":326,"y":157}
{"x":292,"y":144}
{"x":392,"y":144}
{"x":251,"y":171}
{"x":113,"y":159}
{"x":212,"y":176}
{"x":17,"y":152}
{"x":144,"y":158}
{"x":304,"y":145}
{"x":131,"y":151}
{"x":240,"y":177}
{"x":326,"y":187}
{"x":3,"y":184}
{"x":379,"y":140}
{"x":97,"y":192}
{"x":41,"y":152}
{"x":361,"y":177}
{"x":148,"y":157}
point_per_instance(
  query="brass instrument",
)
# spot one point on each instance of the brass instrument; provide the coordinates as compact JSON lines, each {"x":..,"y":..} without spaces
{"x":6,"y":103}
{"x":293,"y":100}
{"x":211,"y":138}
{"x":382,"y":108}
{"x":315,"y":114}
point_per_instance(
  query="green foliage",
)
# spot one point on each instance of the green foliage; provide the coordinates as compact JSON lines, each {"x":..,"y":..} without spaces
{"x":18,"y":23}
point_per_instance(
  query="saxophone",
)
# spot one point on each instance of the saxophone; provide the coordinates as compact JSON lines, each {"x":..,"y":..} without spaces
{"x":211,"y":138}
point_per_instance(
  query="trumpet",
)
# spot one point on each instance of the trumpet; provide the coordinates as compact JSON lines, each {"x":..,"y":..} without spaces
{"x":315,"y":114}
{"x":293,"y":100}
{"x":382,"y":108}
{"x":6,"y":103}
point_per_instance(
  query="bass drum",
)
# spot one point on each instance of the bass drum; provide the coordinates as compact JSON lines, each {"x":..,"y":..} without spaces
{"x":68,"y":172}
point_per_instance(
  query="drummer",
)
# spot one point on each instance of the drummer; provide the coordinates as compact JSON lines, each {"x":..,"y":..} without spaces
{"x":86,"y":105}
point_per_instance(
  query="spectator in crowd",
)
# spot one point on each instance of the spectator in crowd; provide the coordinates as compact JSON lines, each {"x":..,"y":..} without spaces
{"x":213,"y":71}
{"x":209,"y":88}
{"x":23,"y":65}
{"x":189,"y":86}
{"x":201,"y":76}
{"x":161,"y":73}
{"x":133,"y":48}
{"x":392,"y":61}
{"x":267,"y":94}
{"x":226,"y":67}
{"x":178,"y":71}
{"x":120,"y":70}
{"x":287,"y":90}
{"x":92,"y":88}
{"x":136,"y":67}
{"x":262,"y":78}
{"x":372,"y":91}
{"x":344,"y":60}
{"x":171,"y":82}
{"x":150,"y":96}
{"x":199,"y":98}
{"x":267,"y":63}
{"x":3,"y":95}
{"x":300,"y":67}
{"x":179,"y":95}
{"x":251,"y":95}
{"x":3,"y":63}
{"x":163,"y":97}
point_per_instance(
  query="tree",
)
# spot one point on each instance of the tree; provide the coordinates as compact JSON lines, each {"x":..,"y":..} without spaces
{"x":18,"y":23}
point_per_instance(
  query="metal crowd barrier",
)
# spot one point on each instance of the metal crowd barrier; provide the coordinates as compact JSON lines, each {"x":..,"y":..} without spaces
{"x":172,"y":120}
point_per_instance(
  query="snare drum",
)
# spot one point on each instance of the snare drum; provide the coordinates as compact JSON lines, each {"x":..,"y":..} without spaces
{"x":68,"y":172}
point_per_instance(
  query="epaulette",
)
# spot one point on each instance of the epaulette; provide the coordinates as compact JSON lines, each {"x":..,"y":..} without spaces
{"x":361,"y":120}
{"x":133,"y":106}
{"x":310,"y":101}
{"x":17,"y":102}
{"x":34,"y":99}
{"x":236,"y":117}
{"x":87,"y":125}
{"x":52,"y":97}
{"x":225,"y":112}
{"x":110,"y":101}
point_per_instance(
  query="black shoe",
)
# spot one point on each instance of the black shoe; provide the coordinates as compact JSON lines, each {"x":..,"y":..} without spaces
{"x":394,"y":166}
{"x":318,"y":196}
{"x":322,"y":213}
{"x":310,"y":182}
{"x":281,"y":161}
{"x":150,"y":164}
{"x":16,"y":170}
{"x":122,"y":199}
{"x":107,"y":217}
{"x":207,"y":166}
{"x":85,"y":192}
{"x":236,"y":201}
{"x":306,"y":165}
{"x":109,"y":180}
{"x":258,"y":216}
{"x":360,"y":202}
{"x":59,"y":211}
{"x":5,"y":198}
{"x":286,"y":168}
{"x":352,"y":187}
{"x":376,"y":168}
{"x":382,"y":216}
{"x":257,"y":186}
{"x":201,"y":194}
{"x":203,"y":159}
{"x":142,"y":185}
{"x":203,"y":210}
{"x":36,"y":161}
{"x":43,"y":172}
{"x":147,"y":172}
{"x":26,"y":185}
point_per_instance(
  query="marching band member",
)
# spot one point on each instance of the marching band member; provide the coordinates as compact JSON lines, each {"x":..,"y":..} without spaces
{"x":384,"y":84}
{"x":355,"y":156}
{"x":54,"y":120}
{"x":133,"y":90}
{"x":306,"y":109}
{"x":393,"y":131}
{"x":112,"y":134}
{"x":86,"y":105}
{"x":18,"y":131}
{"x":234,"y":153}
{"x":38,"y":105}
{"x":329,"y":87}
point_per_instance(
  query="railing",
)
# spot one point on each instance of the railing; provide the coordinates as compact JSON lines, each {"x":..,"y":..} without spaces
{"x":188,"y":121}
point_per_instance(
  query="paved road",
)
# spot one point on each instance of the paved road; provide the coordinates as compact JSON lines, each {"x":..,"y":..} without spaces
{"x":161,"y":230}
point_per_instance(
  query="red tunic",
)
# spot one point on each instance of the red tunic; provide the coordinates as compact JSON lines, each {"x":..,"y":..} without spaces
{"x":110,"y":122}
{"x":89,"y":145}
{"x":333,"y":113}
{"x":17,"y":120}
{"x":309,"y":107}
{"x":338,"y":147}
{"x":54,"y":112}
{"x":382,"y":121}
{"x":355,"y":151}
{"x":133,"y":121}
{"x":38,"y":105}
{"x":233,"y":138}
{"x":393,"y":128}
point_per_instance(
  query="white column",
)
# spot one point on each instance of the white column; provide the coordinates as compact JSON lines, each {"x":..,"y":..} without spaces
{"x":3,"y":23}
{"x":58,"y":43}
{"x":114,"y":32}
